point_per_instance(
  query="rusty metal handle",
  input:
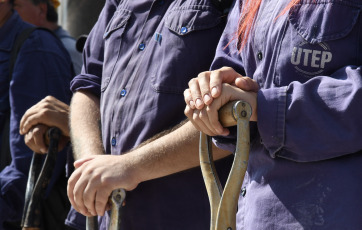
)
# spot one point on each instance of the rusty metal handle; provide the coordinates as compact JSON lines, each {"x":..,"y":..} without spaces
{"x":116,"y":200}
{"x":223,"y":204}
{"x":38,"y":181}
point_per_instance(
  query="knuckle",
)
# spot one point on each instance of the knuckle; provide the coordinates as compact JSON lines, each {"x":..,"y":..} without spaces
{"x":187,"y":111}
{"x":48,"y":98}
{"x":192,"y":82}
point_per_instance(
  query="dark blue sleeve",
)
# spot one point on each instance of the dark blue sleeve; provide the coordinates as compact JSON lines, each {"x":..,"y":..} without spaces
{"x":227,"y":54}
{"x":42,"y":68}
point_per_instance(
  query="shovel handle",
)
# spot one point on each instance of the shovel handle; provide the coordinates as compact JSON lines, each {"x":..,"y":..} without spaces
{"x":223,"y":203}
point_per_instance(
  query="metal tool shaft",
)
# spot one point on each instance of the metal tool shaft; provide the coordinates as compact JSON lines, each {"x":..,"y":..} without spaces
{"x":38,"y":182}
{"x":223,"y":203}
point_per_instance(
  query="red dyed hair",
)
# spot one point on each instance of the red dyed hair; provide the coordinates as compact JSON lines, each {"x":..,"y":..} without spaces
{"x":248,"y":13}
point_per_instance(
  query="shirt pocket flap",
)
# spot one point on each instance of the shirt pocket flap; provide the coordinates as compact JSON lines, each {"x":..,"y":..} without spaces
{"x":324,"y":21}
{"x":184,"y":20}
{"x":118,"y":20}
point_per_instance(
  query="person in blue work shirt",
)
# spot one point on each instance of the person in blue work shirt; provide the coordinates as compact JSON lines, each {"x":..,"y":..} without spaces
{"x":139,"y":58}
{"x":43,"y":67}
{"x":304,"y":169}
{"x":43,"y":13}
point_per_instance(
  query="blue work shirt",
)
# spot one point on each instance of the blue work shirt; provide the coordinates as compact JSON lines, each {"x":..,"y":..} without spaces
{"x":139,"y":58}
{"x":42,"y":68}
{"x":304,"y":170}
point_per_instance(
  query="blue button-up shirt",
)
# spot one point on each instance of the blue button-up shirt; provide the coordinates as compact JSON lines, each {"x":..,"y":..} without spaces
{"x":305,"y":162}
{"x":139,"y":58}
{"x":42,"y":68}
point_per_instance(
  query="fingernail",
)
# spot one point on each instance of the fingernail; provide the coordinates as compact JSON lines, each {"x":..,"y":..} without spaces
{"x":198,"y":103}
{"x":207,"y":98}
{"x":192,"y":104}
{"x":214,"y":91}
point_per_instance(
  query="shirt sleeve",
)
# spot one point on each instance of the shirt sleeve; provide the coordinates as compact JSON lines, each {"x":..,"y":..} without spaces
{"x":90,"y":78}
{"x":227,"y":54}
{"x":42,"y":68}
{"x":325,"y":108}
{"x":304,"y":122}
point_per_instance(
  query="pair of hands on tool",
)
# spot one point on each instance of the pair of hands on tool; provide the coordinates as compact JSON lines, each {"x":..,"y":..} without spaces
{"x":49,"y":112}
{"x":210,"y":90}
{"x":94,"y":179}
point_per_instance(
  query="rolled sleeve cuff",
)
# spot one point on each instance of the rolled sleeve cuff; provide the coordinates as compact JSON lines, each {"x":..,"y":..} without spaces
{"x":271,"y":118}
{"x":87,"y":82}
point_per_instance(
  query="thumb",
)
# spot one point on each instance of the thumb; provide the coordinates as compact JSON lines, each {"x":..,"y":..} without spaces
{"x":246,"y":84}
{"x":80,"y":162}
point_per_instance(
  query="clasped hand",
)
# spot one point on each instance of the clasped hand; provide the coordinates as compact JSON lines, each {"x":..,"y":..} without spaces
{"x":210,"y":90}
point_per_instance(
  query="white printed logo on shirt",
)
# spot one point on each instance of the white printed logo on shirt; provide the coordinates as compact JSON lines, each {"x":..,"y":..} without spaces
{"x":311,"y":60}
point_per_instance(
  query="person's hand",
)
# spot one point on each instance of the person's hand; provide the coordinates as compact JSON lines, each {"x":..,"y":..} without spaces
{"x":50,"y":112}
{"x":207,"y":86}
{"x":35,"y":139}
{"x":206,"y":120}
{"x":94,"y":179}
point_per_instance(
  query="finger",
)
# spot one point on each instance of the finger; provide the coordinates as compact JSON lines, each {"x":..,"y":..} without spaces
{"x":204,"y":85}
{"x":247,"y":84}
{"x":219,"y":76}
{"x":89,"y":196}
{"x":24,"y":120}
{"x":78,"y":193}
{"x":70,"y":187}
{"x":39,"y":132}
{"x":29,"y":141}
{"x":31,"y":120}
{"x":189,"y":113}
{"x":101,"y":201}
{"x":196,"y":93}
{"x":214,"y":123}
{"x":48,"y":114}
{"x":188,"y":99}
{"x":80,"y":162}
{"x":201,"y":125}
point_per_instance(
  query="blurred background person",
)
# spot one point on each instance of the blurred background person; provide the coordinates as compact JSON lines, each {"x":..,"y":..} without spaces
{"x":42,"y":67}
{"x":43,"y":13}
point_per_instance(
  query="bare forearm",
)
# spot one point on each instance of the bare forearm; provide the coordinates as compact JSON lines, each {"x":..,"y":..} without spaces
{"x":170,"y":153}
{"x":85,"y":125}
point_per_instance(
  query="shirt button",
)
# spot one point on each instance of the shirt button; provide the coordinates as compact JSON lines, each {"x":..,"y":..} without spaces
{"x":243,"y":192}
{"x":141,"y":46}
{"x":260,"y":55}
{"x":183,"y":30}
{"x":123,"y":92}
{"x":114,"y":141}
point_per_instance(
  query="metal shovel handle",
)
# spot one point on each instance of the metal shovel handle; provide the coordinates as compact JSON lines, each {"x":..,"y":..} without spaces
{"x":116,"y":200}
{"x":223,"y":203}
{"x":38,"y":180}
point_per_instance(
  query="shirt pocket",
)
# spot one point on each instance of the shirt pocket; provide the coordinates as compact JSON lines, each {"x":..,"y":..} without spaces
{"x":191,"y":34}
{"x":320,"y":38}
{"x":112,"y":41}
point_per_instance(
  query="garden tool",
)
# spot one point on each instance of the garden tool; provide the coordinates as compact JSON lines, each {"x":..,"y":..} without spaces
{"x":116,"y":200}
{"x":38,"y":180}
{"x":223,"y":203}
